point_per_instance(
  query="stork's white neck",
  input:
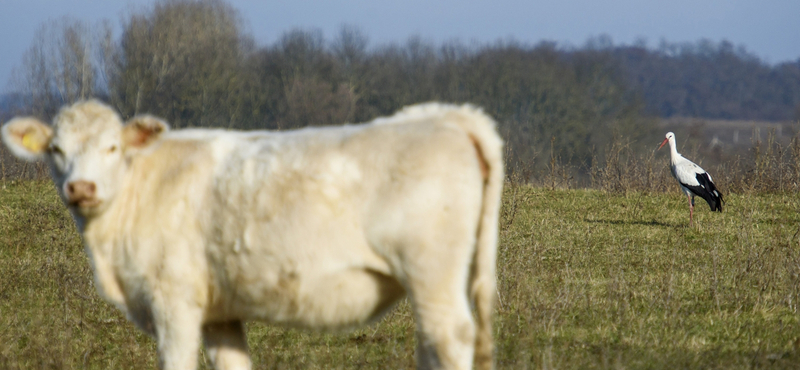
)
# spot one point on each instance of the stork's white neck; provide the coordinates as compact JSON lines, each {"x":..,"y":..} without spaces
{"x":673,"y":151}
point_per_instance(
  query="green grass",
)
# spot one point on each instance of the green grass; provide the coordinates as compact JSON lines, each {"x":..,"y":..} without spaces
{"x":587,"y":279}
{"x":596,"y":280}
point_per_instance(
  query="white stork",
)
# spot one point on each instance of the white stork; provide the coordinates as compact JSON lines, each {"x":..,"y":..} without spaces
{"x":694,"y":180}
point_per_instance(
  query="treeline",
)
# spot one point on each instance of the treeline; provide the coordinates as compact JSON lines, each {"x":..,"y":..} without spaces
{"x":559,"y":109}
{"x":710,"y":80}
{"x":191,"y":63}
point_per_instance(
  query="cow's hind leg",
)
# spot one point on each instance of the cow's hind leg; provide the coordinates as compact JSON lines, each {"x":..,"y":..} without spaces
{"x":226,"y":344}
{"x":445,"y":327}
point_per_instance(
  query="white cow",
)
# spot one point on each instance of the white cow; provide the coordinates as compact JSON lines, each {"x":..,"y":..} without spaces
{"x":192,"y":232}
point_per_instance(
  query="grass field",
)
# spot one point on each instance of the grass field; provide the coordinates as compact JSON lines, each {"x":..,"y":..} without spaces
{"x":587,"y":279}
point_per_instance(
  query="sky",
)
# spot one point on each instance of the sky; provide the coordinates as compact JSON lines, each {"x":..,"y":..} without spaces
{"x":770,"y":29}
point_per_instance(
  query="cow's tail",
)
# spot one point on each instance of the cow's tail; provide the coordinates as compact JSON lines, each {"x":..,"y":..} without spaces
{"x":483,"y":285}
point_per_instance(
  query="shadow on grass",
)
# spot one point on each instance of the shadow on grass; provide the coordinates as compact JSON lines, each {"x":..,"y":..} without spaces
{"x":638,"y":222}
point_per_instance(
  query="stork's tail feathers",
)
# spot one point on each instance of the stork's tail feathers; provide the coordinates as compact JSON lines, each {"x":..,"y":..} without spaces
{"x":708,"y":191}
{"x":715,"y":201}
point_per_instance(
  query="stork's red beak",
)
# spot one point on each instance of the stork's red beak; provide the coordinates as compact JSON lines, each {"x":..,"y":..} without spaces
{"x":662,"y":143}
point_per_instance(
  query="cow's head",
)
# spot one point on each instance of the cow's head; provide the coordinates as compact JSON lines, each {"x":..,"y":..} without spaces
{"x":87,"y":148}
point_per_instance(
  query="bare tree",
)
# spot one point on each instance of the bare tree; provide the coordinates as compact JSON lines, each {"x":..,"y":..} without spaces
{"x":350,"y":48}
{"x":311,"y":102}
{"x":59,"y":67}
{"x":182,"y":61}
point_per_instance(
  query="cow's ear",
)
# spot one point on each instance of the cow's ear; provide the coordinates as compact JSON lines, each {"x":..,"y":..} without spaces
{"x":27,"y":137}
{"x":141,"y":131}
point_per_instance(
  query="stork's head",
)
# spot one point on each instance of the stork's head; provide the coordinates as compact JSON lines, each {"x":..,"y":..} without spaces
{"x":670,"y":137}
{"x":87,"y":149}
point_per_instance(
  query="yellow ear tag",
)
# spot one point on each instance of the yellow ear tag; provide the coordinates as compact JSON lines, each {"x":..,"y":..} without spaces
{"x":31,"y":141}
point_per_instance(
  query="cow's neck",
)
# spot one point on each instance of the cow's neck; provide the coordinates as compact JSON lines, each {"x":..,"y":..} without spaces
{"x":101,"y":235}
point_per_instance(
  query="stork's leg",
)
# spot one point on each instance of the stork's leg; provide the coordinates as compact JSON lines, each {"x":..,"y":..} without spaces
{"x":691,"y":210}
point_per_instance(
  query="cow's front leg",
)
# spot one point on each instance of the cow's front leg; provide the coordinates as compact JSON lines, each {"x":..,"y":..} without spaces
{"x":226,"y":344}
{"x":178,"y":335}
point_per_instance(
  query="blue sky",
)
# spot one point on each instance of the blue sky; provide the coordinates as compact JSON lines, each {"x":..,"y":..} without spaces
{"x":768,"y":28}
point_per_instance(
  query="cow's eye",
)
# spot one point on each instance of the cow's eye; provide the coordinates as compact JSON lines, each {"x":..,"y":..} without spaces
{"x":112,"y":149}
{"x":55,"y":149}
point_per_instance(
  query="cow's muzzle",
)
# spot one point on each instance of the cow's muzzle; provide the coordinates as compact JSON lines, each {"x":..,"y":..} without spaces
{"x":81,"y":194}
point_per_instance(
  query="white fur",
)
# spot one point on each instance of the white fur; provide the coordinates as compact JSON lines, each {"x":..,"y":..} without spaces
{"x":323,"y":228}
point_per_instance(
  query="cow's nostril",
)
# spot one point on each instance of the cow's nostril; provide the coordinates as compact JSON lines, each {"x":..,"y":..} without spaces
{"x":78,"y":191}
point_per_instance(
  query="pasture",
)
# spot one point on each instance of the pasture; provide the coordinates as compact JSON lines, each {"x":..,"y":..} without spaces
{"x":587,"y":279}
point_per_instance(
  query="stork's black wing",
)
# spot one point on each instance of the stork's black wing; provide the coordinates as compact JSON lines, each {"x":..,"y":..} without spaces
{"x":708,"y":191}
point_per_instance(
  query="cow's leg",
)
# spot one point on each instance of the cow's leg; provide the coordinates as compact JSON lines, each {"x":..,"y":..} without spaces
{"x":445,"y":329}
{"x":438,"y":291}
{"x":178,"y":335}
{"x":226,"y":344}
